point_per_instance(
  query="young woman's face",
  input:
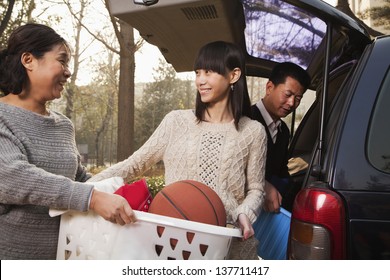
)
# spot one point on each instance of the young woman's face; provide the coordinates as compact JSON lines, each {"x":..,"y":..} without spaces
{"x":212,"y":86}
{"x":49,"y":74}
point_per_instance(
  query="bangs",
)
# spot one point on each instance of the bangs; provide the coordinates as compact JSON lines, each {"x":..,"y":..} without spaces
{"x":211,"y":59}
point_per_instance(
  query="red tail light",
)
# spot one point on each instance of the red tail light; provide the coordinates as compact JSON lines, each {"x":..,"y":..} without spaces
{"x":317,"y":225}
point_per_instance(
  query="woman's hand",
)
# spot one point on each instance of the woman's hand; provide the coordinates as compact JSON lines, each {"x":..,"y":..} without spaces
{"x":112,"y":207}
{"x":246,"y":226}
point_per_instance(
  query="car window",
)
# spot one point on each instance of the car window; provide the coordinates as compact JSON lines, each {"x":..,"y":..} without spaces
{"x":281,"y":32}
{"x":378,"y":144}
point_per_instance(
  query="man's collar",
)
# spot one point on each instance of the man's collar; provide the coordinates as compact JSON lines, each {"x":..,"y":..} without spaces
{"x":267,"y":117}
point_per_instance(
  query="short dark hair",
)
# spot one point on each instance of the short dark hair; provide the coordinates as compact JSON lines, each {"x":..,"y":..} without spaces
{"x":288,"y":69}
{"x":221,"y":57}
{"x":34,"y":38}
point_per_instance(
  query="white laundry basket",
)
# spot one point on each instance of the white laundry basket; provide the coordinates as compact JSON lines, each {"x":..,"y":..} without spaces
{"x":88,"y":236}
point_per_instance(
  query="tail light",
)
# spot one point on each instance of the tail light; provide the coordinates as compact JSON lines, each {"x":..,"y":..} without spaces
{"x":317,"y":225}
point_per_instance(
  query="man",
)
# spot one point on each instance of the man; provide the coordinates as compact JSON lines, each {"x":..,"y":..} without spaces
{"x":284,"y":91}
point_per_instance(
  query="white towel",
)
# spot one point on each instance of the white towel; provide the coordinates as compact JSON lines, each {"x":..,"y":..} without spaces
{"x":109,"y":185}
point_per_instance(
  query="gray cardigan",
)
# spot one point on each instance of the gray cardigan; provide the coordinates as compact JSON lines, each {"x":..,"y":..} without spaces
{"x":39,"y":168}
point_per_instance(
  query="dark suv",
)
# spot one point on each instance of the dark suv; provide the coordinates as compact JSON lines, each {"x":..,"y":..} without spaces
{"x":341,"y":197}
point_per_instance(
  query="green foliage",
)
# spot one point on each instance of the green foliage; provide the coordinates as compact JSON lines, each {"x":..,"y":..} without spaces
{"x":155,"y":184}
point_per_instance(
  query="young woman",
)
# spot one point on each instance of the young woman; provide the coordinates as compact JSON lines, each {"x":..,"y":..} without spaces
{"x":39,"y":163}
{"x":216,"y":144}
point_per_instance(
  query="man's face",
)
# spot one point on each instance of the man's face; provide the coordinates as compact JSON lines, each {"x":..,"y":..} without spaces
{"x":283,"y":98}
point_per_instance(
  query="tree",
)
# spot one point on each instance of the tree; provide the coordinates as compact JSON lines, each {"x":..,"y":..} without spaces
{"x":14,"y":13}
{"x":77,"y":24}
{"x":7,"y":15}
{"x":110,"y":85}
{"x":379,"y":15}
{"x":95,"y":108}
{"x":127,"y":48}
{"x":165,"y":94}
{"x":126,"y":92}
{"x":343,"y":6}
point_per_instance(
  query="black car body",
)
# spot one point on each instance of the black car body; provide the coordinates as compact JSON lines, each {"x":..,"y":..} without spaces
{"x":342,"y":206}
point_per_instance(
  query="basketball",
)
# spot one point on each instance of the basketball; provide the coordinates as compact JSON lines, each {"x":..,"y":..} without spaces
{"x":190,"y":200}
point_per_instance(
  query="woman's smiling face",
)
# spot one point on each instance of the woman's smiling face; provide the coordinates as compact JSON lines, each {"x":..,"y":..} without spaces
{"x":212,"y":87}
{"x":48,"y":74}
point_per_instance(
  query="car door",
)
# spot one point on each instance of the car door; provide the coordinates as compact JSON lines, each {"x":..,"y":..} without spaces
{"x":359,"y":167}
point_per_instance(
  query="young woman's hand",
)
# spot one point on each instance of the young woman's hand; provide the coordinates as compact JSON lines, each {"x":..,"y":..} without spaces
{"x":246,"y":226}
{"x":112,"y":207}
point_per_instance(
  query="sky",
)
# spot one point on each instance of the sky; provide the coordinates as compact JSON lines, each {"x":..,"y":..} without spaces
{"x":146,"y":59}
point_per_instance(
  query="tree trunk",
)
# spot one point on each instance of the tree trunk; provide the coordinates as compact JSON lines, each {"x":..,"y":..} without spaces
{"x":72,"y":87}
{"x":100,"y":149}
{"x":6,"y":16}
{"x":125,"y":143}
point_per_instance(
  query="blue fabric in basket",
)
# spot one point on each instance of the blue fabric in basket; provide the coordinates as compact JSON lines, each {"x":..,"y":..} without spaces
{"x":272,"y":231}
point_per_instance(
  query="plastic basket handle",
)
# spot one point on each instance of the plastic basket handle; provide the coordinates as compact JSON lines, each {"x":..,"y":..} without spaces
{"x":189,"y":225}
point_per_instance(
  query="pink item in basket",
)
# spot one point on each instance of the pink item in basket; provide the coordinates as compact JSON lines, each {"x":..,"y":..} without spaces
{"x":137,"y":194}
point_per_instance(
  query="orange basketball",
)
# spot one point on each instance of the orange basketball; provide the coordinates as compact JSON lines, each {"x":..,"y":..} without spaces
{"x":189,"y":200}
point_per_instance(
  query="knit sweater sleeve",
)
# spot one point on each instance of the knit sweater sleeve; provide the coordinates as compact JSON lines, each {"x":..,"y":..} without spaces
{"x":255,"y":173}
{"x":24,"y":183}
{"x":145,"y":157}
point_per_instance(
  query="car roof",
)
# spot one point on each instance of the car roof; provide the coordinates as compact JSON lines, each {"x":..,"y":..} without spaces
{"x":268,"y":31}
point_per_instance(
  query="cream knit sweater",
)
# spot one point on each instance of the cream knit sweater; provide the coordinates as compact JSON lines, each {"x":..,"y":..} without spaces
{"x":231,"y":162}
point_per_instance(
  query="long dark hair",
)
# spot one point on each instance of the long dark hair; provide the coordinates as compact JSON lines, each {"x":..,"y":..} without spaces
{"x":222,"y":57}
{"x":34,"y":38}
